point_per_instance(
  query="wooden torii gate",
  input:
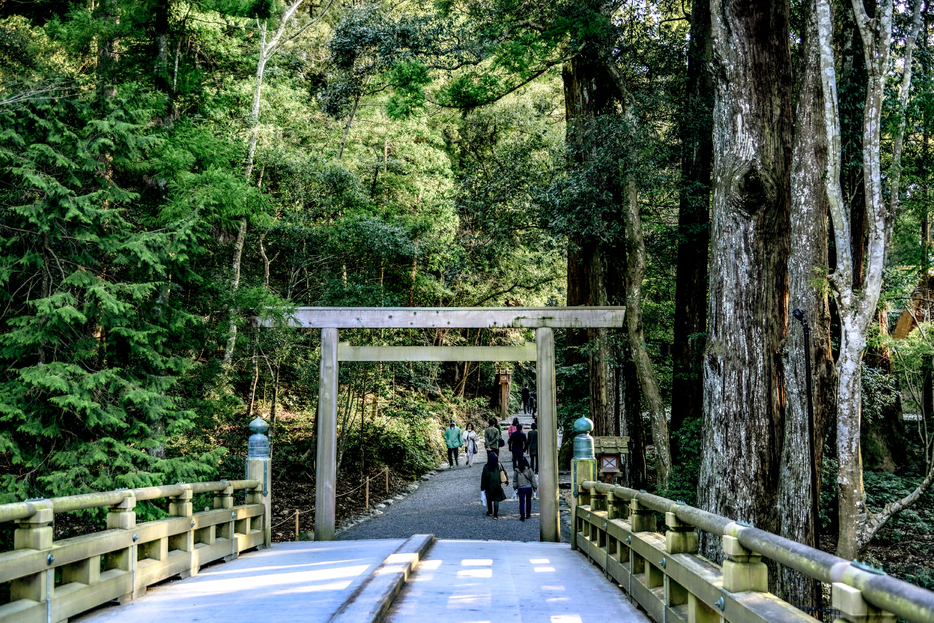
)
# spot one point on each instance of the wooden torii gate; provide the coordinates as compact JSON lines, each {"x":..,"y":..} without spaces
{"x":543,"y":319}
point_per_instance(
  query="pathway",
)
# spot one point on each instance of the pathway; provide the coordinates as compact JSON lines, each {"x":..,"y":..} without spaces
{"x":448,"y":506}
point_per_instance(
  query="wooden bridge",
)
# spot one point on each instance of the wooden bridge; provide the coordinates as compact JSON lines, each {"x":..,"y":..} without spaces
{"x":614,"y":528}
{"x":411,"y":580}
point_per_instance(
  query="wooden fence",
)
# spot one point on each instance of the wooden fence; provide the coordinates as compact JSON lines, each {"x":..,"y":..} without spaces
{"x":51,"y":581}
{"x":615,"y":527}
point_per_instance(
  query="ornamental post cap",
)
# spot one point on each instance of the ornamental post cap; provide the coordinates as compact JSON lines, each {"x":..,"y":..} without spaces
{"x":259,"y":425}
{"x":583,"y":425}
{"x":258,"y":443}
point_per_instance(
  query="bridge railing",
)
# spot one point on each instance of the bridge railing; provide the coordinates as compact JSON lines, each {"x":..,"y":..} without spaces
{"x":50,"y":581}
{"x":616,"y":528}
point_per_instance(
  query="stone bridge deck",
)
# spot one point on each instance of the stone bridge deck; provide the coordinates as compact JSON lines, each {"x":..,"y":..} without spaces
{"x":449,"y":580}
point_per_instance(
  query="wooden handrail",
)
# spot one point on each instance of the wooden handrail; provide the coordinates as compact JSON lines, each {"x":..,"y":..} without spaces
{"x":120,"y":561}
{"x":25,"y":510}
{"x":877,"y":589}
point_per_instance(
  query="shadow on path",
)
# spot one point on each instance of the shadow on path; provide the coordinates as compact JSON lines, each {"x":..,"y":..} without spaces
{"x":448,"y":506}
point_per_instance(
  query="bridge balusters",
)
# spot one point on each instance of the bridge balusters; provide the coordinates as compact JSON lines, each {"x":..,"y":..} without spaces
{"x":743,"y":569}
{"x":854,"y":609}
{"x":180,"y":506}
{"x":641,"y":517}
{"x":34,"y":533}
{"x":122,"y":516}
{"x":680,"y":537}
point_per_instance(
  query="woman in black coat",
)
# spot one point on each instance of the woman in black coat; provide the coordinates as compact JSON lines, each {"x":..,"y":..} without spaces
{"x":492,"y":478}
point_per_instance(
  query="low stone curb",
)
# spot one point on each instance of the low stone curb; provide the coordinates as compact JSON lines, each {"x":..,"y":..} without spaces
{"x":371,"y":601}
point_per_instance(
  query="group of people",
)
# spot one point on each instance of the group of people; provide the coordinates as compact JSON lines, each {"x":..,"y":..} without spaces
{"x":493,"y":476}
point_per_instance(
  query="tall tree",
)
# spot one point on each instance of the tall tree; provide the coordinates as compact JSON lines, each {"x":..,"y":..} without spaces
{"x":808,"y":257}
{"x":693,"y":226}
{"x":743,"y":372}
{"x":857,"y":288}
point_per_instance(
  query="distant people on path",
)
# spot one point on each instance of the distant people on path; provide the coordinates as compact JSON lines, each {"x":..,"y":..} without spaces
{"x":492,"y":436}
{"x":518,"y":444}
{"x":526,"y":399}
{"x":454,"y":440}
{"x":512,"y":427}
{"x":470,"y":443}
{"x":525,"y":483}
{"x":533,"y":447}
{"x":533,"y":404}
{"x":492,"y":478}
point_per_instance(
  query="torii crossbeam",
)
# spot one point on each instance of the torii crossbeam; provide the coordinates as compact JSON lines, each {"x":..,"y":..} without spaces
{"x":543,"y":319}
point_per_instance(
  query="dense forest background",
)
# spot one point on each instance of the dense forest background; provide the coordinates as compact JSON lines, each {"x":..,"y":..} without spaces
{"x":171,"y":170}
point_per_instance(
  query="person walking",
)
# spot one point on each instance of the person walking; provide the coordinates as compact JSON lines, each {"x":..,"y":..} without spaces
{"x":533,"y":447}
{"x":470,"y":443}
{"x":526,"y":396}
{"x":518,"y":443}
{"x":454,"y":440}
{"x":512,"y":427}
{"x":525,"y":483}
{"x":493,"y":436}
{"x":492,"y":478}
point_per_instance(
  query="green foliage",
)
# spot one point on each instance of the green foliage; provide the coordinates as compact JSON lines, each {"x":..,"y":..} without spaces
{"x":408,"y":81}
{"x":682,"y":482}
{"x":86,"y":339}
{"x":880,"y":392}
{"x":883,"y":488}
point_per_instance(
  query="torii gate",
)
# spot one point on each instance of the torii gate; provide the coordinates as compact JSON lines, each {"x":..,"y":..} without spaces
{"x":543,"y":319}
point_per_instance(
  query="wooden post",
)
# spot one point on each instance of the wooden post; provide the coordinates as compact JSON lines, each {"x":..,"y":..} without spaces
{"x":296,"y":524}
{"x":366,"y":503}
{"x":387,"y":480}
{"x":326,"y":481}
{"x":548,"y":435}
{"x":258,"y":468}
{"x":34,"y":533}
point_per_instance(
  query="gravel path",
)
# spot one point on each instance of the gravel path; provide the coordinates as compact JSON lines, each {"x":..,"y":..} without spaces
{"x":447,"y":505}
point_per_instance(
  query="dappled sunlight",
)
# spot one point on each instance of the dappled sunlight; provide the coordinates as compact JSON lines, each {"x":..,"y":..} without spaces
{"x":543,"y":569}
{"x":475,"y":573}
{"x":476,"y":562}
{"x":256,"y":580}
{"x":314,"y":588}
{"x":219,"y":570}
{"x":461,"y":602}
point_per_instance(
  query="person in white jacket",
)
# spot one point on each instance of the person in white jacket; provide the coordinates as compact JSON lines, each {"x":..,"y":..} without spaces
{"x":470,"y":444}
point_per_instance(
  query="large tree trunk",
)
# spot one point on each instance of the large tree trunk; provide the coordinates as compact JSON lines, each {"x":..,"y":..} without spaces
{"x":627,"y":399}
{"x":645,"y":369}
{"x":809,"y":209}
{"x":690,"y":328}
{"x":743,"y":372}
{"x":588,"y":93}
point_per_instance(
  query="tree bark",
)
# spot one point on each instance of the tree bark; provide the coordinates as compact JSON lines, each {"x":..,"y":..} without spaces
{"x":807,"y":261}
{"x":645,"y":369}
{"x":690,"y":328}
{"x":588,"y":93}
{"x":743,"y":372}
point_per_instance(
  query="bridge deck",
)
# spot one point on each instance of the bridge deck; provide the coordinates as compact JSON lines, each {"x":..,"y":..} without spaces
{"x":456,"y":581}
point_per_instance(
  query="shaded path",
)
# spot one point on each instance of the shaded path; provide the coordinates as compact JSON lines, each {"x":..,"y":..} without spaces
{"x":448,"y":506}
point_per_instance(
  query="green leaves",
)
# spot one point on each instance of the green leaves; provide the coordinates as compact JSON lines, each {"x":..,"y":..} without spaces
{"x":408,"y":80}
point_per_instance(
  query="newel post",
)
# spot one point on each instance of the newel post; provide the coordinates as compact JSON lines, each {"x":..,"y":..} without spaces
{"x":743,"y":569}
{"x":258,"y":468}
{"x":34,"y":532}
{"x":583,"y":468}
